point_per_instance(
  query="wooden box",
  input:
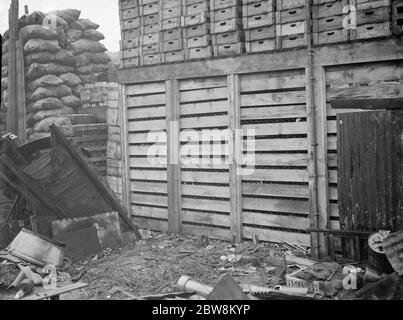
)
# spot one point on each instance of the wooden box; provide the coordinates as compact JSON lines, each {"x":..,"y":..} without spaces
{"x":196,"y":19}
{"x":198,"y":53}
{"x":226,"y":26}
{"x":260,"y":45}
{"x":222,"y":4}
{"x":130,"y":43}
{"x":130,"y":53}
{"x":329,"y":9}
{"x":228,"y":37}
{"x":257,"y":7}
{"x":196,"y":8}
{"x":289,"y":4}
{"x":291,"y":15}
{"x":130,"y":13}
{"x":150,"y":8}
{"x":171,"y":34}
{"x":150,"y":19}
{"x":127,"y":4}
{"x":171,"y":23}
{"x":195,"y":42}
{"x":144,"y":2}
{"x":294,"y":40}
{"x":131,"y":62}
{"x":293,"y":28}
{"x":373,"y":15}
{"x":150,"y":48}
{"x":171,"y":3}
{"x":330,"y":36}
{"x":150,"y":59}
{"x":152,"y":28}
{"x":225,"y":14}
{"x":130,"y":24}
{"x":374,"y":30}
{"x":230,"y":49}
{"x":260,"y":33}
{"x":150,"y":38}
{"x":197,"y":30}
{"x":261,"y":20}
{"x":172,"y":45}
{"x":174,"y":56}
{"x":328,"y":23}
{"x":171,"y":12}
{"x":131,"y":33}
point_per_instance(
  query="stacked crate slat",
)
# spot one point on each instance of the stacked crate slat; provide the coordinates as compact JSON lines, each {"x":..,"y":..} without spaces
{"x":130,"y":26}
{"x":291,"y":24}
{"x":196,"y":29}
{"x":373,"y":19}
{"x":330,"y":21}
{"x":150,"y":30}
{"x":260,"y":30}
{"x":226,"y":27}
{"x":397,"y":17}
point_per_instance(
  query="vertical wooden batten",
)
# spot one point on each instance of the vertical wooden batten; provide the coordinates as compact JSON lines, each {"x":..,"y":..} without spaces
{"x":125,"y":147}
{"x":234,"y":117}
{"x":21,"y":109}
{"x":174,"y":168}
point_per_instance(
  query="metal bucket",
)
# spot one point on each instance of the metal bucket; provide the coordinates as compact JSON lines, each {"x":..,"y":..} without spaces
{"x":36,"y":249}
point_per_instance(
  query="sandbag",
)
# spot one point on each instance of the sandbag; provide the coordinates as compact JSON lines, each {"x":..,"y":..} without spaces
{"x":70,"y":79}
{"x":84,"y":45}
{"x":47,"y":104}
{"x":88,"y":78}
{"x":72,"y":101}
{"x":39,"y":57}
{"x":61,"y":37}
{"x":73,"y":35}
{"x":43,"y":126}
{"x":38,"y":32}
{"x":38,"y":45}
{"x":77,"y":90}
{"x":40,"y":115}
{"x":37,"y":70}
{"x":92,"y":68}
{"x":100,"y":58}
{"x":35,"y":17}
{"x":46,"y":81}
{"x":84,"y":24}
{"x":29,"y":119}
{"x":54,"y":21}
{"x":92,"y":34}
{"x":69,"y":15}
{"x":83,"y":59}
{"x":56,"y":92}
{"x":65,"y":57}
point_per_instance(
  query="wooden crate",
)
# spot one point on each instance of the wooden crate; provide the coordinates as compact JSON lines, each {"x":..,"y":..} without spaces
{"x":328,"y":23}
{"x":260,"y":33}
{"x":150,"y":19}
{"x":150,"y":8}
{"x":196,"y":42}
{"x":171,"y":34}
{"x":127,"y":4}
{"x":130,"y":13}
{"x":130,"y":24}
{"x":130,"y":43}
{"x":260,"y":45}
{"x":195,"y":19}
{"x":397,"y":17}
{"x":171,"y":12}
{"x":171,"y":3}
{"x":252,"y":8}
{"x":260,"y":20}
{"x":373,"y":30}
{"x":130,"y":53}
{"x":289,"y":4}
{"x":198,"y":53}
{"x":291,"y":15}
{"x":293,"y":40}
{"x":144,"y":2}
{"x":174,"y":56}
{"x":329,"y":9}
{"x":196,"y":31}
{"x":172,"y":45}
{"x":150,"y":48}
{"x":150,"y":59}
{"x":130,"y":62}
{"x":131,"y":33}
{"x":171,"y":23}
{"x":293,"y":28}
{"x":373,"y":15}
{"x":225,"y":14}
{"x":228,"y":37}
{"x":222,"y":4}
{"x":229,"y":49}
{"x":330,"y":36}
{"x":152,"y":28}
{"x":150,"y":38}
{"x":226,"y":26}
{"x":196,"y":8}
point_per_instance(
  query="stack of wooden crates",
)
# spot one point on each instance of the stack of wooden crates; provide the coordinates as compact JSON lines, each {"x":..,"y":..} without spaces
{"x":397,"y":17}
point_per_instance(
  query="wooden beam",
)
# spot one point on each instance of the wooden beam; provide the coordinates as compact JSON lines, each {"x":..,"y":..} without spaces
{"x":234,"y":117}
{"x":33,"y":187}
{"x":21,"y":110}
{"x":108,"y":196}
{"x":329,"y":55}
{"x":174,"y":168}
{"x":12,"y":112}
{"x":368,"y":104}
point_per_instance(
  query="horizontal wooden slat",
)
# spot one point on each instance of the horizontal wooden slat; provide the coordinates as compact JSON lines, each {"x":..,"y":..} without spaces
{"x":334,"y":210}
{"x":259,"y":82}
{"x":332,"y":143}
{"x":148,"y":137}
{"x":156,"y":187}
{"x":204,"y":122}
{"x":275,"y":190}
{"x":276,"y":129}
{"x":143,"y":101}
{"x":205,"y":204}
{"x":333,"y":193}
{"x":331,"y":112}
{"x":152,"y":125}
{"x":277,"y":175}
{"x":203,"y":107}
{"x":273,"y":113}
{"x":276,"y":205}
{"x":147,"y":199}
{"x":148,"y":175}
{"x":150,"y":212}
{"x":148,"y":224}
{"x":150,"y":112}
{"x":160,"y":149}
{"x":273,"y":99}
{"x":148,"y":163}
{"x":332,"y":176}
{"x":283,"y":160}
{"x":212,"y":233}
{"x":332,"y":160}
{"x":145,"y":88}
{"x":331,"y":126}
{"x":277,"y":221}
{"x":203,"y":95}
{"x":188,"y":164}
{"x":205,"y":177}
{"x":276,"y":236}
{"x":203,"y":83}
{"x":261,"y":145}
{"x":206,"y":218}
{"x":205,"y":191}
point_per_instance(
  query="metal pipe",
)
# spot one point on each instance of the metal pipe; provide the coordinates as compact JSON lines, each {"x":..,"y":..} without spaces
{"x":311,"y":115}
{"x":188,"y":285}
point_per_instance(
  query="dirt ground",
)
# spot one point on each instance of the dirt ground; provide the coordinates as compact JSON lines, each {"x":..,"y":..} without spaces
{"x":153,"y":266}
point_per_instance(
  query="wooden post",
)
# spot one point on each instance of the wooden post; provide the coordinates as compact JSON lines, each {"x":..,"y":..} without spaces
{"x":234,"y":116}
{"x":21,"y":110}
{"x":12,"y":113}
{"x":173,"y":163}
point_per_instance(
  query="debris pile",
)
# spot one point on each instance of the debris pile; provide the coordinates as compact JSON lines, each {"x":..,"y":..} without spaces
{"x":62,"y":53}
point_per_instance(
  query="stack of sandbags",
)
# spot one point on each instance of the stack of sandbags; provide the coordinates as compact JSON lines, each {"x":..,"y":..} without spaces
{"x":62,"y":53}
{"x":4,"y":72}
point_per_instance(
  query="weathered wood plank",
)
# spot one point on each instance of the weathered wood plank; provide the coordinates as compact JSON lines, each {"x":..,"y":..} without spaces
{"x":142,"y":113}
{"x":137,"y":186}
{"x":205,"y":177}
{"x":150,"y":212}
{"x":273,"y":113}
{"x":278,"y":175}
{"x":272,"y":81}
{"x":145,"y":88}
{"x":212,"y":233}
{"x":276,"y":205}
{"x":206,"y":218}
{"x":276,"y":129}
{"x":152,"y":175}
{"x":203,"y":83}
{"x":275,"y":190}
{"x":277,"y":221}
{"x":204,"y":122}
{"x":147,"y":163}
{"x":282,"y":160}
{"x":199,"y":108}
{"x":203,"y":95}
{"x":273,"y":99}
{"x":149,"y":224}
{"x":151,"y":125}
{"x":205,"y":191}
{"x":262,"y":145}
{"x":143,"y":101}
{"x":205,"y":204}
{"x":147,"y":199}
{"x":149,"y":150}
{"x":277,"y":236}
